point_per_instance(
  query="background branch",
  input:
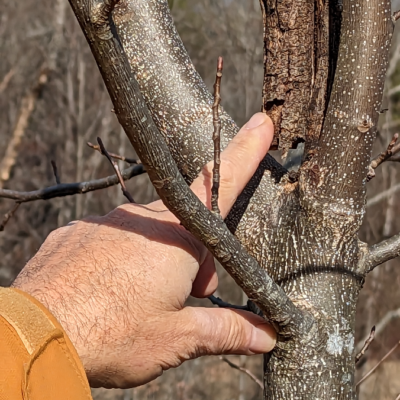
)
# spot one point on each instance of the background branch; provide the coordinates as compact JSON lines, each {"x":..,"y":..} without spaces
{"x":27,"y":106}
{"x":366,"y":376}
{"x":384,"y":156}
{"x":55,"y":172}
{"x":381,"y":325}
{"x":244,"y":370}
{"x":69,"y":189}
{"x":113,"y":155}
{"x":117,"y":171}
{"x":366,"y":345}
{"x":8,"y":216}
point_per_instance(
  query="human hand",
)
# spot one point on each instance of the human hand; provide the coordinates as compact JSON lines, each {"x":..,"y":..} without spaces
{"x":118,"y":283}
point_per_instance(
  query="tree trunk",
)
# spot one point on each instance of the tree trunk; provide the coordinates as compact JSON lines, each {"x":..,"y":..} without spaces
{"x":295,"y":252}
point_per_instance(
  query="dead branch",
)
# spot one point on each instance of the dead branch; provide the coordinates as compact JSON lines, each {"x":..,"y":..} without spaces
{"x":369,"y":340}
{"x":368,"y":374}
{"x":384,"y":156}
{"x":27,"y":106}
{"x":382,"y":252}
{"x":134,"y":116}
{"x":69,"y":189}
{"x":381,"y":325}
{"x":55,"y":172}
{"x":113,"y":155}
{"x":116,"y":169}
{"x":216,"y":138}
{"x":8,"y":216}
{"x":396,"y":16}
{"x":244,"y":370}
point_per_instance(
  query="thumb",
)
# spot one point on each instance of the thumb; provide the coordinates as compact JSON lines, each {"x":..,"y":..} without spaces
{"x":217,"y":331}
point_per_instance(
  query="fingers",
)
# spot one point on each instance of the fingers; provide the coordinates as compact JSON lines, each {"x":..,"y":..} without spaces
{"x":223,"y":331}
{"x":206,"y":281}
{"x":239,"y":161}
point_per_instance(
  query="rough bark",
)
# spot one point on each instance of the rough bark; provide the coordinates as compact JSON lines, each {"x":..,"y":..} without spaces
{"x":303,"y":233}
{"x":296,"y":59}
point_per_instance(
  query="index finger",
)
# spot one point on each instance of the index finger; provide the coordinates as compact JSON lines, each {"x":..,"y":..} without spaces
{"x":239,"y":162}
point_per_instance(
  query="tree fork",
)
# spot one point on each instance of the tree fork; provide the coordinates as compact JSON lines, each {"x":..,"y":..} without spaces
{"x":304,"y":234}
{"x":135,"y":118}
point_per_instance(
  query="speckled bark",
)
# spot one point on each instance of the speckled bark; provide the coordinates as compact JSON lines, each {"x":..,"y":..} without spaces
{"x":302,"y":233}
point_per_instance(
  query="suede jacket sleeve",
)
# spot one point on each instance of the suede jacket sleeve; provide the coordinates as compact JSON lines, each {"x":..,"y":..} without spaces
{"x":37,"y":360}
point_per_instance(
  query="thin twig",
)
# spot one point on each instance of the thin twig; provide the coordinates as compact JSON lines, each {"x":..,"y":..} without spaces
{"x":113,"y":155}
{"x":69,"y":189}
{"x":398,"y":397}
{"x":55,"y":171}
{"x":8,"y":216}
{"x":216,"y":137}
{"x":223,"y":304}
{"x":369,"y":340}
{"x":384,"y":156}
{"x":396,"y":16}
{"x":244,"y":370}
{"x":383,"y":323}
{"x":116,"y":168}
{"x":379,"y":363}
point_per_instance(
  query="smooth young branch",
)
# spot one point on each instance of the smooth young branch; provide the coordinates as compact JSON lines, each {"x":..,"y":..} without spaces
{"x":216,"y":137}
{"x":369,"y":340}
{"x":116,"y":169}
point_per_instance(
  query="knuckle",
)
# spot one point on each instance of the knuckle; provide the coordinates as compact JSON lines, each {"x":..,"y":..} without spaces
{"x":237,"y":335}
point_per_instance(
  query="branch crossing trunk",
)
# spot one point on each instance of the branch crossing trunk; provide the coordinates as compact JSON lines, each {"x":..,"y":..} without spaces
{"x":296,"y":253}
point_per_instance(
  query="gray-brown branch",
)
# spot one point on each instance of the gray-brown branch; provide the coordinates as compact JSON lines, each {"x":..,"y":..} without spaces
{"x":382,"y":252}
{"x":152,"y":149}
{"x":70,"y":189}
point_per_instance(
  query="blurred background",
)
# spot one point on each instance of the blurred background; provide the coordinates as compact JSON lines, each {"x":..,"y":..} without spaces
{"x":52,"y":101}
